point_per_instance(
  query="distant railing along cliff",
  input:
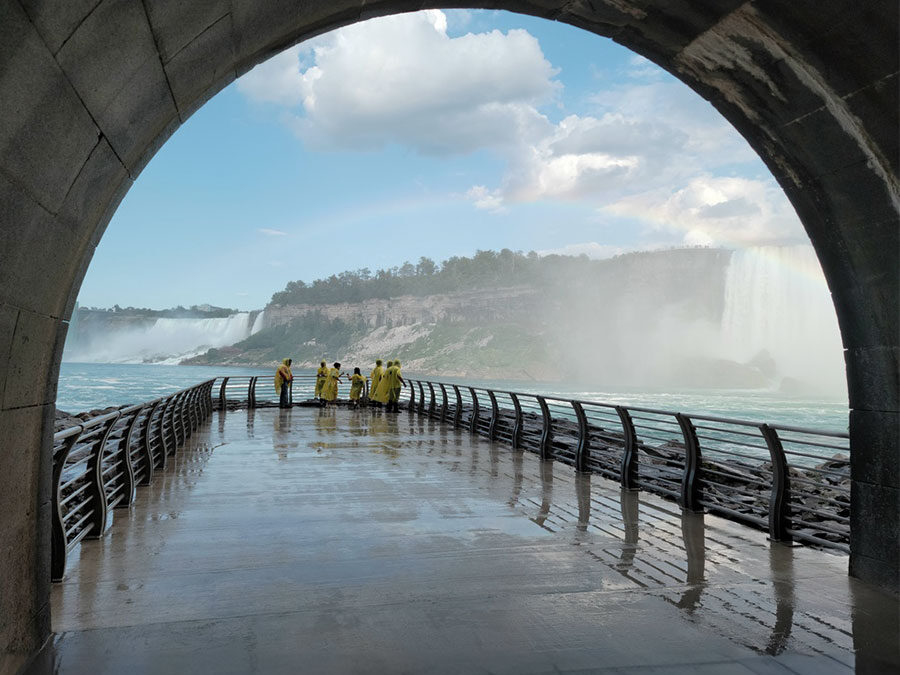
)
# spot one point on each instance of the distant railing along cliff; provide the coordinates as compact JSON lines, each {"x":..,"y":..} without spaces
{"x":792,"y":481}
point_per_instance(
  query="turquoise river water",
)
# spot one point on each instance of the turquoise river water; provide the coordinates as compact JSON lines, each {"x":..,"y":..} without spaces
{"x":85,"y":386}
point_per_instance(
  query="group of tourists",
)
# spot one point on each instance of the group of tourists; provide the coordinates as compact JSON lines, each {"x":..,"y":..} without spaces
{"x":385,"y":384}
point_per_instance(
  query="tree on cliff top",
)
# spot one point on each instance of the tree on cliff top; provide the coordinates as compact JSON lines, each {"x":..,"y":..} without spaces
{"x":484,"y":270}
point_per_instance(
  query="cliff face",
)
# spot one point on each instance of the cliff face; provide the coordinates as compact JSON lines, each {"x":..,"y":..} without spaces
{"x":618,"y":320}
{"x":502,"y":304}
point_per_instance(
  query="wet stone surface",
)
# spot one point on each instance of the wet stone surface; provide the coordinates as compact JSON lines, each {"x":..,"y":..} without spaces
{"x":349,"y":541}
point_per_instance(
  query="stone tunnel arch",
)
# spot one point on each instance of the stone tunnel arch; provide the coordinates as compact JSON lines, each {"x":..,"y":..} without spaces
{"x":90,"y":90}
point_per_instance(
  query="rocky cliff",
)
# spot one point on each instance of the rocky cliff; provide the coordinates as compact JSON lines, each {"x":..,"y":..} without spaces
{"x":502,"y":304}
{"x":613,"y":318}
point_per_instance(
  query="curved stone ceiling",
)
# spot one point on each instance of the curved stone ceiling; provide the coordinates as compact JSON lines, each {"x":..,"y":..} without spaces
{"x":90,"y":90}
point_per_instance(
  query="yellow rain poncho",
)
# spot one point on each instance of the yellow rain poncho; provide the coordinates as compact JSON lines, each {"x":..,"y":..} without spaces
{"x":356,"y":386}
{"x":330,"y":391}
{"x":321,"y":377}
{"x":380,"y":393}
{"x":393,"y":376}
{"x":283,"y":374}
{"x":375,"y":378}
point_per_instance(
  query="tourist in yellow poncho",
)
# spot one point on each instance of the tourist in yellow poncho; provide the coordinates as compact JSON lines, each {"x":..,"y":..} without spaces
{"x":380,"y":393}
{"x":395,"y":382}
{"x":374,"y":379}
{"x":284,"y":378}
{"x":330,"y":391}
{"x":321,"y":376}
{"x":357,"y":381}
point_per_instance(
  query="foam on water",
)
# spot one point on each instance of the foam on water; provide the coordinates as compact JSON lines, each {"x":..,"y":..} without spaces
{"x":84,"y":386}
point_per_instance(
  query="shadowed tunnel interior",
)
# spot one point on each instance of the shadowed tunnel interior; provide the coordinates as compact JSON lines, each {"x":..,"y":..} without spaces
{"x":91,"y":90}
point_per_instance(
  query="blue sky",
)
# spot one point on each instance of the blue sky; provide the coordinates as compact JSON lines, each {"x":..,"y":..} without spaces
{"x":430,"y":134}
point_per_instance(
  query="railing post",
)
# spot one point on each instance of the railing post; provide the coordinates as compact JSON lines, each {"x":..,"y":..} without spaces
{"x":421,"y":409}
{"x":166,"y":437}
{"x":201,"y":402}
{"x":517,"y":425}
{"x":584,"y":441}
{"x":192,"y":410}
{"x":473,"y":423}
{"x":198,"y":405}
{"x":176,"y":421}
{"x":186,"y":416}
{"x":495,"y":415}
{"x":128,"y":496}
{"x":222,"y":399}
{"x":780,"y":496}
{"x":147,"y":443}
{"x":97,"y":489}
{"x":412,"y":396}
{"x":457,"y":414}
{"x":443,"y":401}
{"x":430,"y":400}
{"x":58,"y":543}
{"x":547,"y":432}
{"x":251,"y":392}
{"x":204,"y":401}
{"x":690,"y":481}
{"x":209,"y":388}
{"x":629,"y":471}
{"x":182,"y":434}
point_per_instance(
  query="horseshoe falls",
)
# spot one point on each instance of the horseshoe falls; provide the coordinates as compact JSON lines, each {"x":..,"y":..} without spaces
{"x":778,"y":308}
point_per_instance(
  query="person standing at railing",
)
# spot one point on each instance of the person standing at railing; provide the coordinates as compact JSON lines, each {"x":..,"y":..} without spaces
{"x":321,"y":378}
{"x":381,"y":392}
{"x":374,"y":380}
{"x":357,"y":381}
{"x":330,"y":391}
{"x":395,"y":382}
{"x":284,"y":379}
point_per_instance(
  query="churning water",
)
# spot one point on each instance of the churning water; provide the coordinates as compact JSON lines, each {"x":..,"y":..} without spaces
{"x":85,"y":386}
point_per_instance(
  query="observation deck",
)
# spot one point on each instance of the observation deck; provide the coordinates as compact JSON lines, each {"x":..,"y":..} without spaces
{"x":339,"y":541}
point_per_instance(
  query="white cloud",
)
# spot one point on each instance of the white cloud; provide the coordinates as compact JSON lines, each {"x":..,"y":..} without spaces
{"x":277,"y":80}
{"x":715,"y":210}
{"x":650,"y":149}
{"x":402,"y":79}
{"x":482,"y":198}
{"x":272,"y":233}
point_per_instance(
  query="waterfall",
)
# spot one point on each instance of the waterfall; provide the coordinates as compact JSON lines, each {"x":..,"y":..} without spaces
{"x":161,"y":341}
{"x":777,"y":301}
{"x":259,"y":322}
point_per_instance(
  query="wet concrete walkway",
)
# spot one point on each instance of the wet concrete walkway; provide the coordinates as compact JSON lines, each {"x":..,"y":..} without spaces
{"x":307,"y":541}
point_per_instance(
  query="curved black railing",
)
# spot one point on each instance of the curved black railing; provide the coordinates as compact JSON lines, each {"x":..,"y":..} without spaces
{"x":785,"y":479}
{"x":782,"y":478}
{"x":98,"y":464}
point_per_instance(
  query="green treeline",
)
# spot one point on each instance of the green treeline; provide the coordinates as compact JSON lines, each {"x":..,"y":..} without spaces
{"x":485,"y":269}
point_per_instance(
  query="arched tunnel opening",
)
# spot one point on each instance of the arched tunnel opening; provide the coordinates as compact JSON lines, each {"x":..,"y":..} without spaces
{"x":90,"y":93}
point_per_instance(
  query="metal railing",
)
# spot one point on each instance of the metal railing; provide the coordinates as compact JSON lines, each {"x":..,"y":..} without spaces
{"x":258,"y":391}
{"x":98,"y":464}
{"x":785,"y":479}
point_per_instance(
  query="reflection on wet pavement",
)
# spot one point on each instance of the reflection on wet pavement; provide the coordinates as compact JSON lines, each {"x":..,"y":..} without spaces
{"x":322,"y":540}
